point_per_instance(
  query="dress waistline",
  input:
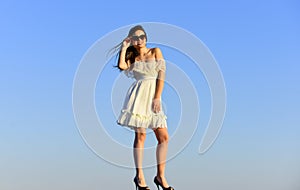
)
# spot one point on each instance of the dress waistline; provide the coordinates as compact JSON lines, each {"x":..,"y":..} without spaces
{"x":145,"y":78}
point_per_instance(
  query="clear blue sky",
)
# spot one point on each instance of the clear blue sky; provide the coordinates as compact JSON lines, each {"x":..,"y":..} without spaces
{"x":256,"y":44}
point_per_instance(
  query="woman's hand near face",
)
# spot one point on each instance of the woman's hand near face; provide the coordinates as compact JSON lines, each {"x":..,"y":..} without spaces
{"x":126,"y":43}
{"x":123,"y":64}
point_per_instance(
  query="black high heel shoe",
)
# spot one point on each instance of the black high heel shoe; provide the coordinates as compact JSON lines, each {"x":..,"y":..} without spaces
{"x":159,"y":184}
{"x":137,"y":185}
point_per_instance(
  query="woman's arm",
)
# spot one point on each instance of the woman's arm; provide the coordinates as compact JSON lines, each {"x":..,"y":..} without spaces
{"x":161,"y":76}
{"x":122,"y":64}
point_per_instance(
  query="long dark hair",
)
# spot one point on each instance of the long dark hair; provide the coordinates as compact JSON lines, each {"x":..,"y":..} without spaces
{"x":131,"y":52}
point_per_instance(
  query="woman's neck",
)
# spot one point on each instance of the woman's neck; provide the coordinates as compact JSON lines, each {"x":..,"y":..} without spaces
{"x":142,"y":50}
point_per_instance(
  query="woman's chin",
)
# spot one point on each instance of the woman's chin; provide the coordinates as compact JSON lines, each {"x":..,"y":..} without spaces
{"x":139,"y":45}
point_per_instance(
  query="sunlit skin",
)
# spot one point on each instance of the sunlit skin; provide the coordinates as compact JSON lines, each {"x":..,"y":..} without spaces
{"x":140,"y":134}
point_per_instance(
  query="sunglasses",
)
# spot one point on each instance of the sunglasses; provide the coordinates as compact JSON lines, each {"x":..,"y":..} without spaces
{"x":136,"y":38}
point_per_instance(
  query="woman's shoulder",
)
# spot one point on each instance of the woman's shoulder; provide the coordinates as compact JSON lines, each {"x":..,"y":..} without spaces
{"x":156,"y":52}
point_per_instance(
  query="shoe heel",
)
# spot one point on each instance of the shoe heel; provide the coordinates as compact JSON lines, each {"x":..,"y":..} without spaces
{"x":138,"y":187}
{"x":156,"y":183}
{"x":157,"y":187}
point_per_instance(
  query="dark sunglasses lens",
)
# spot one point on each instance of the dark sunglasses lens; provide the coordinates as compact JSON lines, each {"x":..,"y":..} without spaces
{"x":142,"y":37}
{"x":136,"y":38}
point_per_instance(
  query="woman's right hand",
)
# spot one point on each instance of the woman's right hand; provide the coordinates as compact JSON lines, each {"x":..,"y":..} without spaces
{"x":126,"y":43}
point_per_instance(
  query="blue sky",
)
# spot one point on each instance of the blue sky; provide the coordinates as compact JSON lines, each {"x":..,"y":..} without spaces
{"x":256,"y":44}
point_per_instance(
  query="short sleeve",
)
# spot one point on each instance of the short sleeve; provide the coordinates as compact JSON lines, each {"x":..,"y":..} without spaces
{"x":161,"y":69}
{"x":161,"y":65}
{"x":129,"y":71}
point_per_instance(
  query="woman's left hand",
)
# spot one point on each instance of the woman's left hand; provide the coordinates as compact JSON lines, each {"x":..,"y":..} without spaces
{"x":156,"y":105}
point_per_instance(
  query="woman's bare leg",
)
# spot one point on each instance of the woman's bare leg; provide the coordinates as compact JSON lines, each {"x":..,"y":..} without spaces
{"x":162,"y":137}
{"x":138,"y":153}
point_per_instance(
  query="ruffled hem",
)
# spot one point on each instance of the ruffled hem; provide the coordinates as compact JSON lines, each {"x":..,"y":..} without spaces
{"x":133,"y":120}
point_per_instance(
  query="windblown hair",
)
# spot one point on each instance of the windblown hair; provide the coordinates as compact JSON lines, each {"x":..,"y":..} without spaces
{"x":131,"y":52}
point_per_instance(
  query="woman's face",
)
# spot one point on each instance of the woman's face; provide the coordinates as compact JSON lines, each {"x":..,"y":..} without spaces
{"x":138,"y":39}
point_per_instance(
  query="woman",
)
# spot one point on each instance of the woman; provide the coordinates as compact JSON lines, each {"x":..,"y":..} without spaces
{"x":142,"y":105}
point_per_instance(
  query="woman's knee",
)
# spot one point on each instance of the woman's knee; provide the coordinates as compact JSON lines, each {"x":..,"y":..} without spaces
{"x":163,"y":138}
{"x":140,"y":137}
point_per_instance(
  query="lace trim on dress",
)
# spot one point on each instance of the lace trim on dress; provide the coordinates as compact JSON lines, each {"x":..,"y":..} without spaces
{"x":132,"y":120}
{"x":146,"y":67}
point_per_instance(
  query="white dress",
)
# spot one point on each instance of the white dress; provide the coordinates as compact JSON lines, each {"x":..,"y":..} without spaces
{"x":137,"y":108}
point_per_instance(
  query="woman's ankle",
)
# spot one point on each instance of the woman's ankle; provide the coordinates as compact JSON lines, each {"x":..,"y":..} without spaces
{"x":140,"y":176}
{"x":160,"y":177}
